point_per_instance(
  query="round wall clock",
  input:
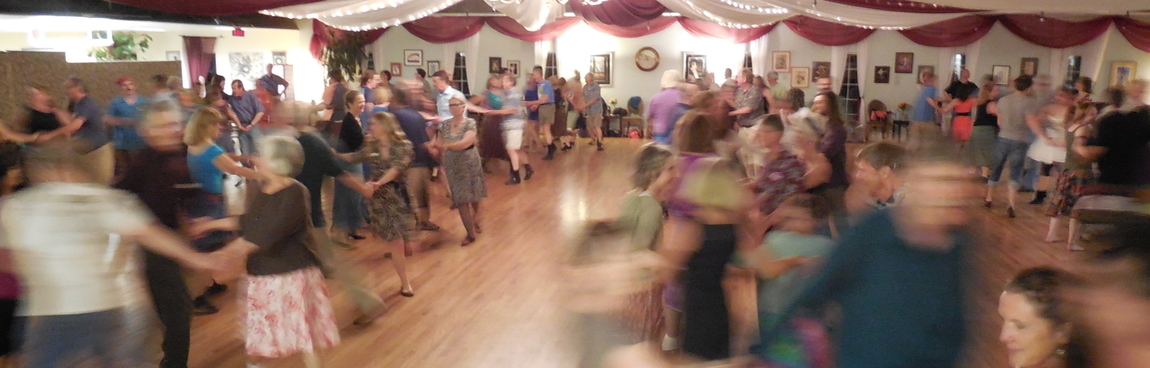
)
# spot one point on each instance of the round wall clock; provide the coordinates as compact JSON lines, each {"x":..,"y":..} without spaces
{"x":647,"y":59}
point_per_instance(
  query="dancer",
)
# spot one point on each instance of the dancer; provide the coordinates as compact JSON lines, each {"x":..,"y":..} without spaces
{"x":593,"y":112}
{"x":1050,"y":121}
{"x":512,"y":125}
{"x":456,"y":139}
{"x":545,"y":105}
{"x":1075,"y":176}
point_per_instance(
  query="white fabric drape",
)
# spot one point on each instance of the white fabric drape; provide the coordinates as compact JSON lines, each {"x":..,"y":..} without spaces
{"x":973,"y":51}
{"x":725,"y":14}
{"x":856,"y":16}
{"x":532,"y":14}
{"x":862,"y":51}
{"x":1057,"y":65}
{"x":542,"y":48}
{"x":838,"y":67}
{"x":1092,"y":53}
{"x":471,"y":49}
{"x":357,"y":15}
{"x":945,"y":66}
{"x":760,"y":55}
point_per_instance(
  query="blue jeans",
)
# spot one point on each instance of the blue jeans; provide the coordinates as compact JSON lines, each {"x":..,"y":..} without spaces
{"x":1030,"y":177}
{"x":115,"y":337}
{"x":248,"y":141}
{"x":227,"y":142}
{"x":348,"y":207}
{"x":1014,"y":152}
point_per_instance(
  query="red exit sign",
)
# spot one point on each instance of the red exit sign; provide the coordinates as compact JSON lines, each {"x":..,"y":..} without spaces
{"x":238,"y":32}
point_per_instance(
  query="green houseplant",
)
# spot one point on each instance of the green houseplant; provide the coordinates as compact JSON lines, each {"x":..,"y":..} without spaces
{"x":346,"y":53}
{"x":125,"y":46}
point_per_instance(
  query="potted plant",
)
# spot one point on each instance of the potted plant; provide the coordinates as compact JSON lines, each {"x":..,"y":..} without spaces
{"x":125,"y":46}
{"x":346,"y":53}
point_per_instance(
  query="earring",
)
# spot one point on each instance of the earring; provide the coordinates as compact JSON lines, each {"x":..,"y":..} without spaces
{"x":1061,"y":352}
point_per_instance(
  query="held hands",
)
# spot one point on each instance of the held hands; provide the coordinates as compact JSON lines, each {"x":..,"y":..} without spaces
{"x":199,"y":227}
{"x":228,"y":263}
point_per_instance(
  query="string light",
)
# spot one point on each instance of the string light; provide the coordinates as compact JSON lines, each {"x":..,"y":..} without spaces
{"x":365,"y":8}
{"x":593,"y":2}
{"x":771,"y":10}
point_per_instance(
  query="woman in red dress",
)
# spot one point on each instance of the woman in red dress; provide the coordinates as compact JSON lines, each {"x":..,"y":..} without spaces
{"x":963,"y":123}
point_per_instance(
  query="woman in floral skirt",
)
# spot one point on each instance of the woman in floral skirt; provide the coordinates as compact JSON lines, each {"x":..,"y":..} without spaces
{"x":1076,"y":174}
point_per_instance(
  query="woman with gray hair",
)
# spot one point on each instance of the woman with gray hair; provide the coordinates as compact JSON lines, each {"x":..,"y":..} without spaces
{"x":287,"y":306}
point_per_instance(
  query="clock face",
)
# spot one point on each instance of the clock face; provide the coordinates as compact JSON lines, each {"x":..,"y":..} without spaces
{"x":647,"y":59}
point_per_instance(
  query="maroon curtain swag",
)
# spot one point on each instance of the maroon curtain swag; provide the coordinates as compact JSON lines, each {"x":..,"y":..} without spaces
{"x":619,"y":13}
{"x":321,"y":36}
{"x":1054,"y":33}
{"x":444,"y":29}
{"x":700,"y":28}
{"x":955,"y":32}
{"x":211,"y":8}
{"x":905,"y":6}
{"x":200,"y":53}
{"x":1137,"y":32}
{"x":550,"y":31}
{"x":640,"y":30}
{"x":827,"y":33}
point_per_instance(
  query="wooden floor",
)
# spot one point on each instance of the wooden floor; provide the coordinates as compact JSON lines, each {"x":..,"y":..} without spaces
{"x":496,"y":302}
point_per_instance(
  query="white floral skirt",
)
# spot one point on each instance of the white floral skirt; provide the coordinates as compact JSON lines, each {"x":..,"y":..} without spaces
{"x":288,"y":313}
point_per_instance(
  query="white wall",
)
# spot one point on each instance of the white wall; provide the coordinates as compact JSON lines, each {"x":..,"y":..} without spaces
{"x":389,"y":49}
{"x":308,"y":78}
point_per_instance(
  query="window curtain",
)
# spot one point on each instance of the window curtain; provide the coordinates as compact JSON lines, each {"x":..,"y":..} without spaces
{"x":1091,"y":54}
{"x":542,"y":50}
{"x":865,"y":76}
{"x":201,"y":53}
{"x":838,"y":67}
{"x":552,"y":68}
{"x":759,"y":50}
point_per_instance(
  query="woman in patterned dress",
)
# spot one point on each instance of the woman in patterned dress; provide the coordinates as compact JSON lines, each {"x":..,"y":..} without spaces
{"x":392,"y":219}
{"x":457,"y":138}
{"x":1076,"y":174}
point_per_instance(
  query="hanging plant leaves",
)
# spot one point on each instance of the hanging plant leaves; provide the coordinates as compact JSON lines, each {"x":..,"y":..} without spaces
{"x":346,"y":54}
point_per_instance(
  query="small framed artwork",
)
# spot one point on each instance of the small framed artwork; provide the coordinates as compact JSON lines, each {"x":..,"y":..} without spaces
{"x":781,"y":62}
{"x":413,"y":57}
{"x":433,"y":66}
{"x":800,"y":77}
{"x":1122,"y":73}
{"x":923,"y":69}
{"x":904,"y":62}
{"x":694,"y":67}
{"x":821,"y":69}
{"x":495,"y":65}
{"x":1001,"y":74}
{"x":396,"y":70}
{"x":280,"y":57}
{"x":602,"y":67}
{"x":513,"y":66}
{"x":172,"y":56}
{"x":882,"y":74}
{"x":1029,"y":66}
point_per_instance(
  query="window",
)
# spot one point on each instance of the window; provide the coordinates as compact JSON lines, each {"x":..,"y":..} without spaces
{"x":460,"y":74}
{"x":849,"y":92}
{"x":958,"y":65}
{"x":747,"y":61}
{"x":552,"y":68}
{"x":1073,"y":70}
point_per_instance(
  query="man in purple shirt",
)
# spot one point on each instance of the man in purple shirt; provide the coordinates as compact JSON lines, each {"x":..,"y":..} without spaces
{"x":249,"y":110}
{"x":663,"y":105}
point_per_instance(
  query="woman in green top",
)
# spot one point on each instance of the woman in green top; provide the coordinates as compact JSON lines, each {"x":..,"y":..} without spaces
{"x":1076,"y":174}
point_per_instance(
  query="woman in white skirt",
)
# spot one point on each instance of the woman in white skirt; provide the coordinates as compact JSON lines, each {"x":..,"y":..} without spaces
{"x":1052,"y":119}
{"x":287,"y":309}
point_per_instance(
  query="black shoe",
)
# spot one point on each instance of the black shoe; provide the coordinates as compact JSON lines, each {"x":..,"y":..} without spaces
{"x":550,"y":152}
{"x":202,"y":307}
{"x":600,"y":146}
{"x":1039,"y":197}
{"x":514,"y":178}
{"x":528,"y":172}
{"x":215,"y":289}
{"x":1025,"y":190}
{"x":1010,"y":212}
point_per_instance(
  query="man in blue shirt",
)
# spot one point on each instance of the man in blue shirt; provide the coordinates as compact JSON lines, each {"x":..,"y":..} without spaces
{"x":123,"y":116}
{"x":87,"y":131}
{"x":249,"y":110}
{"x":546,"y":107}
{"x":272,"y":83}
{"x":418,"y":174}
{"x":442,"y":81}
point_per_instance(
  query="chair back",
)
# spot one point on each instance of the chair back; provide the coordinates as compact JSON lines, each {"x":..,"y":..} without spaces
{"x":876,"y":105}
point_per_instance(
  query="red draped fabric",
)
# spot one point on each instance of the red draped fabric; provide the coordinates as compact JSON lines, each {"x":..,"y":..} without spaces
{"x":444,"y":29}
{"x":200,"y":51}
{"x":321,"y":36}
{"x":1052,"y":32}
{"x":827,"y":33}
{"x":618,"y":13}
{"x":211,"y":8}
{"x":640,"y":30}
{"x":1137,"y":32}
{"x":700,"y":28}
{"x":550,"y":31}
{"x":905,"y":6}
{"x":955,"y":32}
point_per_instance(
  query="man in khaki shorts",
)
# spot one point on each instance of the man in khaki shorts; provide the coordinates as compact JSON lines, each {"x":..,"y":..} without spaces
{"x":546,"y":107}
{"x":594,"y":111}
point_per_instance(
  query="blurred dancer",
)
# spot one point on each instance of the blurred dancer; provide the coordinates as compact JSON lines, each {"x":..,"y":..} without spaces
{"x":76,"y":306}
{"x":1035,"y":328}
{"x":512,"y":125}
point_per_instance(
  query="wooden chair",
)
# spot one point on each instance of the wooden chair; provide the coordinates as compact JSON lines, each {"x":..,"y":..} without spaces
{"x":879,"y":117}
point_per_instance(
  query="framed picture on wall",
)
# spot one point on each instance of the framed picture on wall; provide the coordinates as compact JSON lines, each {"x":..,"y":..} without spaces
{"x":882,"y":74}
{"x":396,"y":70}
{"x":1001,"y":74}
{"x":433,"y":66}
{"x":1122,"y":72}
{"x":781,"y":62}
{"x":694,"y":67}
{"x":821,"y":69}
{"x":513,"y":65}
{"x":172,"y":55}
{"x":800,"y":77}
{"x":413,"y":57}
{"x":495,"y":65}
{"x":904,"y":62}
{"x":922,"y":69}
{"x":279,"y":57}
{"x":1029,"y":66}
{"x":602,"y":68}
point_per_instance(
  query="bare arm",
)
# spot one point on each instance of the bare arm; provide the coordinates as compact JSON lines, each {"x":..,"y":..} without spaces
{"x":992,"y":108}
{"x":162,"y":241}
{"x":328,"y":94}
{"x":228,"y":165}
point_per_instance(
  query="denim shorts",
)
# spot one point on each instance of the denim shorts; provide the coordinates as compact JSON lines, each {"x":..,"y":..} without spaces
{"x":113,"y":336}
